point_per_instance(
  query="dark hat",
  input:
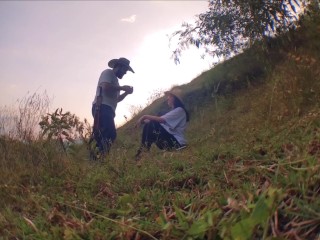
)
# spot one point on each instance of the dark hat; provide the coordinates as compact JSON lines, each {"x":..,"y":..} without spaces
{"x":123,"y":61}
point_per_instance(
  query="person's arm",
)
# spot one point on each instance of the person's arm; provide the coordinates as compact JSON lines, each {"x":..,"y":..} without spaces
{"x":122,"y":96}
{"x":111,"y":89}
{"x":127,"y":90}
{"x":175,"y":117}
{"x":151,"y":118}
{"x":108,"y":87}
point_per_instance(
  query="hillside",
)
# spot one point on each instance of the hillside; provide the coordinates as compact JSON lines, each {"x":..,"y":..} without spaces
{"x":251,"y":170}
{"x":258,"y":89}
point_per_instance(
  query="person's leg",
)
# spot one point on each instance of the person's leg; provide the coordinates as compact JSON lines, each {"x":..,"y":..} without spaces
{"x":108,"y":128}
{"x":153,"y":132}
{"x":106,"y":134}
{"x":94,"y":136}
{"x":97,"y":135}
{"x":165,"y":140}
{"x":149,"y":136}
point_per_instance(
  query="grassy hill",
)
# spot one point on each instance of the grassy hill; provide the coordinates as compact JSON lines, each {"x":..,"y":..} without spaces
{"x":251,"y":170}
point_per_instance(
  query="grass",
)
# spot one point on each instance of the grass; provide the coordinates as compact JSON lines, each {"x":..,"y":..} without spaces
{"x":251,"y":170}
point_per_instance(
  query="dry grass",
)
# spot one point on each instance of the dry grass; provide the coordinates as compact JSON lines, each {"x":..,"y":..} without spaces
{"x":251,"y":170}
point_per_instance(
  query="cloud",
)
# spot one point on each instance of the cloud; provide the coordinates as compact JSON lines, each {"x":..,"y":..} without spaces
{"x":130,"y":19}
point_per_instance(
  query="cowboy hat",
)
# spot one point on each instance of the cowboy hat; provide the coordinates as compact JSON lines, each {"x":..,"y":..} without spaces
{"x":123,"y":61}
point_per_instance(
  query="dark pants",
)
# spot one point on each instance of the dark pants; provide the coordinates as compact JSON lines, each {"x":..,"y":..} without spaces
{"x":153,"y":132}
{"x":106,"y":133}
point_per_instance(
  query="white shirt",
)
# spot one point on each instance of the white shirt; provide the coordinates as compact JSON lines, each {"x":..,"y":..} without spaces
{"x":176,"y":123}
{"x":111,"y":99}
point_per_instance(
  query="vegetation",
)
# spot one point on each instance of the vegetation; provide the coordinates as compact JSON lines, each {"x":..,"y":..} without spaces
{"x":229,"y":27}
{"x":251,"y":170}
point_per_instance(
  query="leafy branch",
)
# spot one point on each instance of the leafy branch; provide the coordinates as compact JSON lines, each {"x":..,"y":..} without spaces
{"x":228,"y":26}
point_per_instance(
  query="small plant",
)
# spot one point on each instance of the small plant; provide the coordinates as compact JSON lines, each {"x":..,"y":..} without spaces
{"x":65,"y":127}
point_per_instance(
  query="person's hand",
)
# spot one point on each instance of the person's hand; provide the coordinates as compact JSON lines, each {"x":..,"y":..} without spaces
{"x":141,"y":121}
{"x":137,"y":124}
{"x":127,"y":89}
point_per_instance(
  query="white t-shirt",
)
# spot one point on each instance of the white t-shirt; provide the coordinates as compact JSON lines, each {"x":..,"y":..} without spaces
{"x":110,"y":99}
{"x":176,"y":123}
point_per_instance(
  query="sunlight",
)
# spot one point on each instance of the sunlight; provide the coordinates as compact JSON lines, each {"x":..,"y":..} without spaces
{"x":154,"y":65}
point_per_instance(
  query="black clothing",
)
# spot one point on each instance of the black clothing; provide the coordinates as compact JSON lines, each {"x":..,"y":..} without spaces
{"x":153,"y":132}
{"x":107,"y":129}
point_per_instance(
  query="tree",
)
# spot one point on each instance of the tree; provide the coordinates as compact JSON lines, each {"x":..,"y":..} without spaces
{"x":229,"y":26}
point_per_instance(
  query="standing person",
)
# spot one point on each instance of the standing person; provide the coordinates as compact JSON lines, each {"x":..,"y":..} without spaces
{"x":166,"y":131}
{"x":106,"y":100}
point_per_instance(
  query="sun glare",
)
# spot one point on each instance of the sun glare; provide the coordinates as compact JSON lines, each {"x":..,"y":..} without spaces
{"x":156,"y":71}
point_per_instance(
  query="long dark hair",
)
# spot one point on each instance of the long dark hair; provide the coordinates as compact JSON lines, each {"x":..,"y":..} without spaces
{"x":177,"y":103}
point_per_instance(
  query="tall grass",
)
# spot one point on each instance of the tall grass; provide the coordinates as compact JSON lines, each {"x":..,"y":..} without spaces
{"x":251,"y":170}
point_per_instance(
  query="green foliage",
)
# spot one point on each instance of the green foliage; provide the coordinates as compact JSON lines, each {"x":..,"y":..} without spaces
{"x":262,"y":211}
{"x":65,"y":127}
{"x":251,"y":170}
{"x":228,"y":27}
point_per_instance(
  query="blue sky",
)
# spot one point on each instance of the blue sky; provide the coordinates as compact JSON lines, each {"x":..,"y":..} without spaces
{"x":61,"y":47}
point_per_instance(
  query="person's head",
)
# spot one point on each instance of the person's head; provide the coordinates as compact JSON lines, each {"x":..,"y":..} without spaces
{"x":120,"y":66}
{"x":174,"y":100}
{"x":171,"y":100}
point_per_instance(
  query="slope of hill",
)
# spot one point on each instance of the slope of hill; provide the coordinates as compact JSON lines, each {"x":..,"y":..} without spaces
{"x":254,"y":136}
{"x":251,"y":170}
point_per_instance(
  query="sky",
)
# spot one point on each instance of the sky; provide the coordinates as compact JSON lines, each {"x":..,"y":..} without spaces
{"x":62,"y":47}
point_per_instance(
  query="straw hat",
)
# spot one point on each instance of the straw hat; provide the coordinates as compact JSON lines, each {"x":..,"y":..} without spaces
{"x":123,"y":61}
{"x":177,"y":92}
